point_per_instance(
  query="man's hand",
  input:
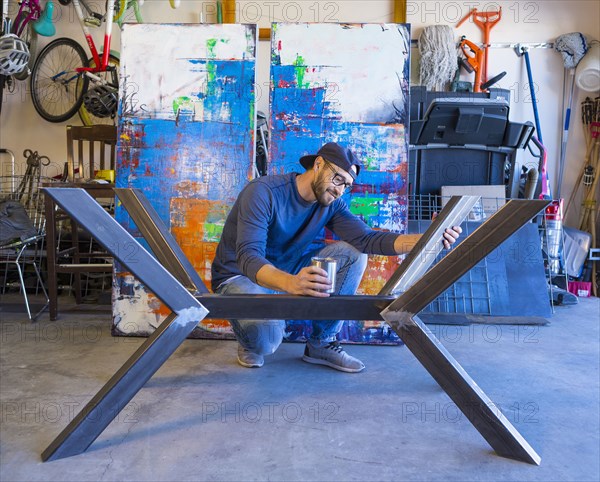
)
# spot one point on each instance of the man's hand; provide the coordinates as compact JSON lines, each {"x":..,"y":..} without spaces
{"x":310,"y":281}
{"x":450,"y":236}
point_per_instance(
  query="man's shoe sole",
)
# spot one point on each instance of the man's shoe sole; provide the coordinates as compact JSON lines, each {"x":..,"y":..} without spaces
{"x":320,"y":361}
{"x":250,"y":365}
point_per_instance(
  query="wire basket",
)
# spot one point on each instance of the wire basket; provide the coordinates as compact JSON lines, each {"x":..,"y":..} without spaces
{"x":475,"y":292}
{"x":26,"y":190}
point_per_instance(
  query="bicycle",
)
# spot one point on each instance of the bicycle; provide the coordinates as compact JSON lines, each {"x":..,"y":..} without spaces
{"x":64,"y":81}
{"x":22,"y":35}
{"x":30,"y":22}
{"x":121,"y":7}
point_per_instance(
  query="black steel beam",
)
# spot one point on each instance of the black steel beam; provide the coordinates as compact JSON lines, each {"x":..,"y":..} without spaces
{"x":131,"y":377}
{"x":289,"y":307}
{"x":421,"y":257}
{"x":159,"y":238}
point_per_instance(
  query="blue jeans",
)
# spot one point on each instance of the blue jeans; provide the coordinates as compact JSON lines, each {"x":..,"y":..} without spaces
{"x":263,"y":337}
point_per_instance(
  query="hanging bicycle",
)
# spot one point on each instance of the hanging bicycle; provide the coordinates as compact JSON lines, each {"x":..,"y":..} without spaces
{"x":18,"y":44}
{"x":64,"y":80}
{"x":31,"y":21}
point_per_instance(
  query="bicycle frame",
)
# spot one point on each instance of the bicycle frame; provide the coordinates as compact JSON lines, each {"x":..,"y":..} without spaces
{"x":35,"y":11}
{"x":5,"y":26}
{"x":101,"y":64}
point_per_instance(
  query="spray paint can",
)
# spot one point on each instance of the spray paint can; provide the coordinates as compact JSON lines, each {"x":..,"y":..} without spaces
{"x":329,"y":265}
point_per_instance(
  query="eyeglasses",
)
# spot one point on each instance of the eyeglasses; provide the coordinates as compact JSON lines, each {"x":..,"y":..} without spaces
{"x":338,"y":179}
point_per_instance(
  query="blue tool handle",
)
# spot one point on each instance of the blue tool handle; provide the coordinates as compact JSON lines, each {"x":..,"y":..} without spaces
{"x":533,"y":99}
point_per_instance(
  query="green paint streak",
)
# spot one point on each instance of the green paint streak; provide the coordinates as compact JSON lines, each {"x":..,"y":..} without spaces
{"x":368,"y":161}
{"x":211,"y":68}
{"x":366,"y":206}
{"x":211,"y":76}
{"x":183,"y":101}
{"x":211,"y":43}
{"x":300,"y":70}
{"x":212,"y":232}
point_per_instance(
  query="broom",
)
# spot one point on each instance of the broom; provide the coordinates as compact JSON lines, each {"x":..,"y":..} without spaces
{"x":590,"y":118}
{"x":590,"y":176}
{"x":572,"y":47}
{"x":587,"y":219}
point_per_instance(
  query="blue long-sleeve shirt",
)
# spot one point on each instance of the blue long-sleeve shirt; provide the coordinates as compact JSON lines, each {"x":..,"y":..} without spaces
{"x":270,"y":223}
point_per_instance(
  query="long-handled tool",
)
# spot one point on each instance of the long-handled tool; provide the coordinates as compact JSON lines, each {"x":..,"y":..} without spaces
{"x":591,"y":176}
{"x":523,"y":51}
{"x":590,"y":119}
{"x":568,"y":92}
{"x":485,"y":21}
{"x":573,"y":47}
{"x":474,"y":62}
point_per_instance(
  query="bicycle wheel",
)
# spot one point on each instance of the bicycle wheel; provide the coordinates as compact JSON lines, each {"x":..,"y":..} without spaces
{"x":54,"y":78}
{"x":30,"y":37}
{"x":112,"y":77}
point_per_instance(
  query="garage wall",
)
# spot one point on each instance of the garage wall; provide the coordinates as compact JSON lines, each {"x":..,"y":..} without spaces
{"x":523,"y":21}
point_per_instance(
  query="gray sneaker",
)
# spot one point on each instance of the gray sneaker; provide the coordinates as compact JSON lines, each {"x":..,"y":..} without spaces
{"x":334,"y":356}
{"x":248,"y":359}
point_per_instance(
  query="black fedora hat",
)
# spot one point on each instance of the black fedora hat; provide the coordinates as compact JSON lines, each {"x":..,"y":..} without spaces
{"x":335,"y":154}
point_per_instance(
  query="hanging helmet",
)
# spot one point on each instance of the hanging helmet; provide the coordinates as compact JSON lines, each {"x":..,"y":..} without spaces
{"x":14,"y":55}
{"x":101,"y":101}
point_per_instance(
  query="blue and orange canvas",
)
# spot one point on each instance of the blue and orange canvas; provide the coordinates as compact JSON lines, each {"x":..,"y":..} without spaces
{"x":186,"y":139}
{"x":347,"y":83}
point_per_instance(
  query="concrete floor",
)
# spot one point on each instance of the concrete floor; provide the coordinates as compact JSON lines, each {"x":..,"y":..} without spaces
{"x":203,"y":417}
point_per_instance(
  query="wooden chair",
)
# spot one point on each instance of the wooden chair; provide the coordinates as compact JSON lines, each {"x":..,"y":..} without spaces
{"x":90,"y":148}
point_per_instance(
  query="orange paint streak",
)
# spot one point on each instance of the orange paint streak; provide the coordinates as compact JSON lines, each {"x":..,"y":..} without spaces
{"x":157,"y":306}
{"x":188,"y":219}
{"x":379,"y":269}
{"x":196,"y":224}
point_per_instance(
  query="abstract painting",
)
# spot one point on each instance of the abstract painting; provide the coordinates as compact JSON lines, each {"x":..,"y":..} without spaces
{"x":347,"y":83}
{"x":186,"y":139}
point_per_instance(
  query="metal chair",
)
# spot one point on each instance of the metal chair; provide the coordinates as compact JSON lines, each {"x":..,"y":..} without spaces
{"x":28,"y":249}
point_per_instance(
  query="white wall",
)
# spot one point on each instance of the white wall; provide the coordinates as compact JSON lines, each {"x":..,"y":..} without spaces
{"x":523,"y":21}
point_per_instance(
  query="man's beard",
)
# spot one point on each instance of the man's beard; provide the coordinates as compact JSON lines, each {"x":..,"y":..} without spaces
{"x":319,"y":189}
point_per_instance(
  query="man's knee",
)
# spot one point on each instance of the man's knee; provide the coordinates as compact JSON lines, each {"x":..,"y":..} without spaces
{"x":265,"y":337}
{"x":361,"y":261}
{"x":355,"y":257}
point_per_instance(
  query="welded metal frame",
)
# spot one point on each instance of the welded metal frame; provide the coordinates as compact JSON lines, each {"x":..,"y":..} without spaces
{"x":188,"y":310}
{"x":402,"y":317}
